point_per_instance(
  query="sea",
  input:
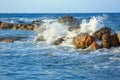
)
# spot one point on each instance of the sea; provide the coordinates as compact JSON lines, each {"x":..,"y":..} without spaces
{"x":27,"y":59}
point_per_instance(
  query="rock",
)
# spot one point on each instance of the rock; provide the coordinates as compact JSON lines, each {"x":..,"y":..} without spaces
{"x":73,"y":28}
{"x":109,"y":40}
{"x":119,"y":36}
{"x":95,"y":45}
{"x":69,"y":21}
{"x":15,"y":27}
{"x":83,"y":41}
{"x":35,"y":27}
{"x":105,"y":30}
{"x":106,"y":41}
{"x":39,"y":38}
{"x":6,"y":40}
{"x":37,"y":22}
{"x":29,"y":27}
{"x":114,"y":40}
{"x":5,"y":25}
{"x":59,"y":41}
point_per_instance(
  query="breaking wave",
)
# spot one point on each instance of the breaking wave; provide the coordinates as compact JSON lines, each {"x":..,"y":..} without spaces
{"x":51,"y":30}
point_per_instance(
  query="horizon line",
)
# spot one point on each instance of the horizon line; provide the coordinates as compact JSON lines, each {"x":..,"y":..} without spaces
{"x":52,"y":12}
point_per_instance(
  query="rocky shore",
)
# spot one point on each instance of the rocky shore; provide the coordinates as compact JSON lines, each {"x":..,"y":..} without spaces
{"x":19,"y":26}
{"x":105,"y":37}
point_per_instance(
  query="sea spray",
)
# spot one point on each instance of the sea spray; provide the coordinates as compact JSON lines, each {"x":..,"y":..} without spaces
{"x":52,"y":30}
{"x":94,"y":24}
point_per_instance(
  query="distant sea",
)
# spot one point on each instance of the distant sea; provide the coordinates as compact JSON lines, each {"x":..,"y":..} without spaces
{"x":29,"y":60}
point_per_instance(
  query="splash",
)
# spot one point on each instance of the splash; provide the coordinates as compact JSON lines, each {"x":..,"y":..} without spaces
{"x":94,"y":24}
{"x":52,"y":30}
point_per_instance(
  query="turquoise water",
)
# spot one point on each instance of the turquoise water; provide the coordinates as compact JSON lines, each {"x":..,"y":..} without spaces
{"x":28,"y":60}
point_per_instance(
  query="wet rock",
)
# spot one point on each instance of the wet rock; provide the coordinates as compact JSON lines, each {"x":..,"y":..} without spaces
{"x":69,"y":21}
{"x":59,"y":41}
{"x":95,"y":46}
{"x":73,"y":28}
{"x":105,"y":30}
{"x":35,"y":27}
{"x":25,"y":27}
{"x":5,"y":25}
{"x":83,"y":41}
{"x":114,"y":40}
{"x":39,"y":38}
{"x":37,"y":22}
{"x":119,"y":36}
{"x":106,"y":41}
{"x":6,"y":40}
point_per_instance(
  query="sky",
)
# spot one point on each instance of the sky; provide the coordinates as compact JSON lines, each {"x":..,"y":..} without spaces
{"x":59,"y":6}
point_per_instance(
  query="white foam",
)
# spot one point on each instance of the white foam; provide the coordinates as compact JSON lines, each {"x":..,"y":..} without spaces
{"x":92,"y":25}
{"x":51,"y":30}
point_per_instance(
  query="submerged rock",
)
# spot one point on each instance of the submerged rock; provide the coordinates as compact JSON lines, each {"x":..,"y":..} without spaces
{"x":83,"y":41}
{"x":70,"y":21}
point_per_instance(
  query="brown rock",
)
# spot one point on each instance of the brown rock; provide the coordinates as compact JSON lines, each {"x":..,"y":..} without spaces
{"x":70,"y":21}
{"x":106,"y":41}
{"x":95,"y":46}
{"x":35,"y":27}
{"x":83,"y":41}
{"x":114,"y":40}
{"x":5,"y":25}
{"x":29,"y":27}
{"x":40,"y":38}
{"x":6,"y":40}
{"x":119,"y":36}
{"x":105,"y":30}
{"x":59,"y":41}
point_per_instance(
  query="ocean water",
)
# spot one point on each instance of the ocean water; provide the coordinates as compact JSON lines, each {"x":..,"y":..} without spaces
{"x":26,"y":59}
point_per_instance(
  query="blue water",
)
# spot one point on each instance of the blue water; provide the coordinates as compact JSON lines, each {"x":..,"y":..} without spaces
{"x":28,"y":60}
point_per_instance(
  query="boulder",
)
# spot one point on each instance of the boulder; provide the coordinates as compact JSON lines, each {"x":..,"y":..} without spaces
{"x":95,"y":45}
{"x":119,"y":36}
{"x":114,"y":40}
{"x":59,"y":41}
{"x":106,"y":41}
{"x":5,"y":25}
{"x":69,"y":21}
{"x":83,"y":41}
{"x":105,"y":30}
